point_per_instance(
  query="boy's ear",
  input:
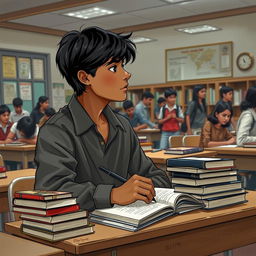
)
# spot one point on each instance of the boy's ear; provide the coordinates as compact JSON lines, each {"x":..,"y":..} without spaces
{"x":83,"y":77}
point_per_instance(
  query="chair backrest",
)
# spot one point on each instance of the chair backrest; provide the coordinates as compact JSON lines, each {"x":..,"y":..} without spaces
{"x":19,"y":184}
{"x":175,"y":141}
{"x":1,"y":160}
{"x":191,"y":140}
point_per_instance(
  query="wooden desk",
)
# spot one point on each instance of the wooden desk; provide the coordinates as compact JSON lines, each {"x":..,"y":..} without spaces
{"x":245,"y":157}
{"x":24,"y":154}
{"x":12,"y":245}
{"x":152,"y":134}
{"x":4,"y":183}
{"x":160,"y":157}
{"x":196,"y":233}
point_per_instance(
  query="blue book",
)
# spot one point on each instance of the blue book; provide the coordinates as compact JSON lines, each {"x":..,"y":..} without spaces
{"x":202,"y":175}
{"x":183,"y":150}
{"x":201,"y":163}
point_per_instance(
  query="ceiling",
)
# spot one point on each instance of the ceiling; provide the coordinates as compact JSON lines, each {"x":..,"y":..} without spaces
{"x":132,"y":15}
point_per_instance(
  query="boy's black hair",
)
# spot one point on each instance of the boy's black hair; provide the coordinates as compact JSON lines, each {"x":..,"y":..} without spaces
{"x":17,"y":102}
{"x":50,"y":112}
{"x":4,"y":108}
{"x":127,"y":104}
{"x":89,"y":49}
{"x":195,"y":98}
{"x":160,"y":100}
{"x":224,"y":90}
{"x":250,"y":99}
{"x":41,"y":99}
{"x":27,"y":125}
{"x":146,"y":95}
{"x":169,"y":92}
{"x":221,"y":106}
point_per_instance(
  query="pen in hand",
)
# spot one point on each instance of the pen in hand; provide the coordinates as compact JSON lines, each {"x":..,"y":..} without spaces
{"x":116,"y":176}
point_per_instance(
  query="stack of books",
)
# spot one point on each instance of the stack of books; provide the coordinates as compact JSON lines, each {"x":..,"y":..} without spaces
{"x":2,"y":172}
{"x":145,"y":144}
{"x":213,"y":180}
{"x":51,"y":215}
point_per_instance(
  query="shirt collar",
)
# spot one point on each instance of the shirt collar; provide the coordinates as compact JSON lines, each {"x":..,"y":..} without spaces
{"x":170,"y":109}
{"x":8,"y":124}
{"x":82,"y":120}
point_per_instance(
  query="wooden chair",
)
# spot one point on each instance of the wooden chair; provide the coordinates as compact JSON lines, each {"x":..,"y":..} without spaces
{"x":191,"y":140}
{"x":175,"y":141}
{"x":1,"y":160}
{"x":18,"y":184}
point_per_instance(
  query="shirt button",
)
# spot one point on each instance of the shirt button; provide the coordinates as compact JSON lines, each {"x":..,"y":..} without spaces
{"x":102,"y":142}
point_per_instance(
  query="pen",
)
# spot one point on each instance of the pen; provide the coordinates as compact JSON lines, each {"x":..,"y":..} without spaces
{"x":116,"y":176}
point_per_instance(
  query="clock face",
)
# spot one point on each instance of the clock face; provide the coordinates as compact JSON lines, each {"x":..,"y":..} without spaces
{"x":244,"y":61}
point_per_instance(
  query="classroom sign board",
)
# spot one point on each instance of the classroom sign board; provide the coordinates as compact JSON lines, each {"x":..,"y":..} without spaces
{"x":199,"y":62}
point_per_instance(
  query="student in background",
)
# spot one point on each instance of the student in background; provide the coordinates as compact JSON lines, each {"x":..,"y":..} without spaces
{"x":5,"y":124}
{"x":170,"y":117}
{"x":226,"y":95}
{"x":135,"y":120}
{"x":246,"y":125}
{"x":49,"y":112}
{"x":197,"y":111}
{"x":41,"y":106}
{"x":215,"y":132}
{"x":142,"y":108}
{"x":18,"y":112}
{"x":160,"y":103}
{"x":25,"y":130}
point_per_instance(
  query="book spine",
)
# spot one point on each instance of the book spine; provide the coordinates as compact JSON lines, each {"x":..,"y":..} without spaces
{"x":184,"y":163}
{"x":56,"y":211}
{"x":26,"y":196}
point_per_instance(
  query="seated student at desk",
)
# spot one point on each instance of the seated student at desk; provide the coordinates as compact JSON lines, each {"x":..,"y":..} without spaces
{"x":49,"y":112}
{"x":135,"y":120}
{"x":25,"y":130}
{"x":246,"y":125}
{"x":214,"y":132}
{"x":86,"y":134}
{"x":5,"y":124}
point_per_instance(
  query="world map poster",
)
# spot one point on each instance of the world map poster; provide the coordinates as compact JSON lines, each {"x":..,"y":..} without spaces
{"x":199,"y":62}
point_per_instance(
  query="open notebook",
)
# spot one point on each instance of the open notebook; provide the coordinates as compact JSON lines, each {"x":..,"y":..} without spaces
{"x":139,"y":214}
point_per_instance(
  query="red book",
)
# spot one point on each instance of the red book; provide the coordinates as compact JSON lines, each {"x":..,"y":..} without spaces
{"x":2,"y":169}
{"x":42,"y":195}
{"x":49,"y":212}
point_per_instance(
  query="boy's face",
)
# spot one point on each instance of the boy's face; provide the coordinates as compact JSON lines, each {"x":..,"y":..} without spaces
{"x":18,"y":109}
{"x":228,"y":96}
{"x":4,"y":118}
{"x":130,"y":111}
{"x":171,"y":100}
{"x":110,"y":81}
{"x":162,"y":104}
{"x":147,"y":101}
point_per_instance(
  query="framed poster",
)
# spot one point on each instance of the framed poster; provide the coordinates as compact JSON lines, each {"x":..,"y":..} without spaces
{"x":199,"y":62}
{"x":9,"y":67}
{"x":24,"y":68}
{"x":38,"y":69}
{"x":58,"y":95}
{"x":10,"y":91}
{"x":25,"y":90}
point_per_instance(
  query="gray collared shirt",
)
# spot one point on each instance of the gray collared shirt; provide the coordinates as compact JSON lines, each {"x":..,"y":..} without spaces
{"x":70,"y":149}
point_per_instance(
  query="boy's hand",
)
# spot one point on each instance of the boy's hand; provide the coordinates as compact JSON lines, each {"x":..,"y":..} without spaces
{"x":136,"y":188}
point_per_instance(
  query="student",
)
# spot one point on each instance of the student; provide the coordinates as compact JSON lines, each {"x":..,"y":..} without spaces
{"x":25,"y":130}
{"x":135,"y":120}
{"x":41,"y":106}
{"x":49,"y":112}
{"x":18,"y":112}
{"x":215,"y":132}
{"x":170,"y":117}
{"x":87,"y":134}
{"x":160,"y":103}
{"x":196,"y":112}
{"x":246,"y":125}
{"x":142,"y":108}
{"x":226,"y":95}
{"x":5,"y":124}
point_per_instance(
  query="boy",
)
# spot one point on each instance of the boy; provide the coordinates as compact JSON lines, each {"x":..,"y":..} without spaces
{"x":170,"y":117}
{"x":87,"y":134}
{"x":160,"y":103}
{"x":5,"y":124}
{"x":18,"y":112}
{"x":25,"y":130}
{"x":135,"y":120}
{"x":142,"y":108}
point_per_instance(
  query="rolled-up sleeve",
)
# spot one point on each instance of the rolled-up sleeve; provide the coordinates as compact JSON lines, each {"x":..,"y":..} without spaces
{"x":243,"y":130}
{"x":56,"y":169}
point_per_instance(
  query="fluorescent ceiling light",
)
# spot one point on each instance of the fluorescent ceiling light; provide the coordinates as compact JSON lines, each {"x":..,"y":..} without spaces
{"x":89,"y":13}
{"x":178,"y":1}
{"x":198,"y":29}
{"x":140,"y":39}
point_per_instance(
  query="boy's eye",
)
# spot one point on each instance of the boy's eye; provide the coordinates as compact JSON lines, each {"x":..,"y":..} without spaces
{"x":113,"y":68}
